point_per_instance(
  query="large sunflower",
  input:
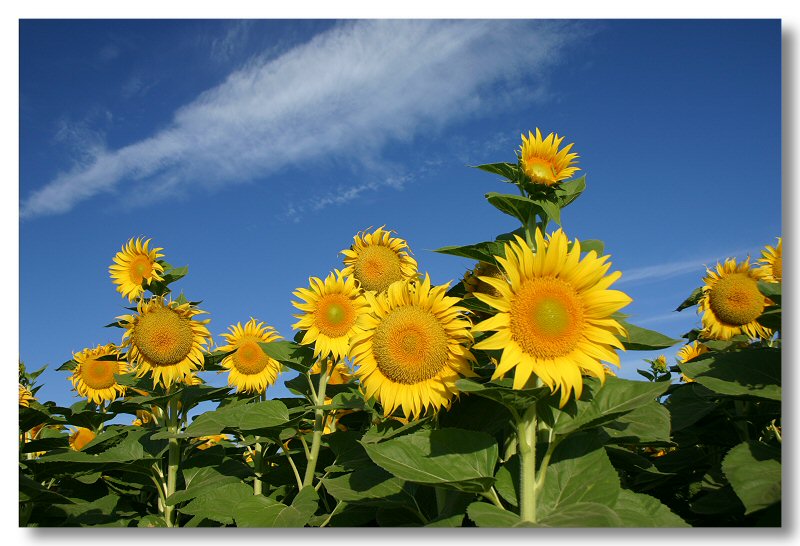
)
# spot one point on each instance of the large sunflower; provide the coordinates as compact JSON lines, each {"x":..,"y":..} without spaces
{"x":772,"y":260}
{"x":413,"y":348}
{"x":731,"y":302}
{"x":133,"y":265}
{"x":333,"y":310}
{"x":377,"y":259}
{"x":93,"y":377}
{"x":251,"y":370}
{"x":164,"y":338}
{"x":554,"y":315}
{"x":543,"y":162}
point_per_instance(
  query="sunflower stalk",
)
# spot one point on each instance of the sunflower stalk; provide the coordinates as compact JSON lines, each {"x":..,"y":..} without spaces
{"x":258,"y":459}
{"x":170,"y":515}
{"x":526,"y":440}
{"x":319,"y":426}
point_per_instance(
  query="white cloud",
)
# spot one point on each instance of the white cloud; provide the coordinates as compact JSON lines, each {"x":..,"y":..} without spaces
{"x":344,"y":94}
{"x":680,"y":267}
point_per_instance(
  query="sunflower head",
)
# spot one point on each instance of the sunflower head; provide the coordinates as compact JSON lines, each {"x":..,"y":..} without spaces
{"x":25,"y":396}
{"x":472,"y":282}
{"x":731,"y":301}
{"x":689,"y":352}
{"x":660,"y":364}
{"x":413,"y":347}
{"x":134,"y":267}
{"x":377,"y":259}
{"x":80,"y":437}
{"x":93,"y":377}
{"x":554,"y":318}
{"x":772,"y":260}
{"x":333,"y":310}
{"x":163,"y":338}
{"x":543,"y":162}
{"x":250,"y":369}
{"x":339,"y":374}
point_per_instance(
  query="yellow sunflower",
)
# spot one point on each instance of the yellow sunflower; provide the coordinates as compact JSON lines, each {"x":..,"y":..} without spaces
{"x":164,"y":338}
{"x":731,"y":302}
{"x":772,"y":260}
{"x":210,"y":441}
{"x":472,"y":282}
{"x":377,"y":259}
{"x":689,"y":352}
{"x":333,"y":311}
{"x":543,"y":162}
{"x":413,"y":348}
{"x":339,"y":375}
{"x":133,"y":265}
{"x":93,"y":377}
{"x":25,"y":396}
{"x":80,"y":438}
{"x":251,"y":370}
{"x":554,"y":315}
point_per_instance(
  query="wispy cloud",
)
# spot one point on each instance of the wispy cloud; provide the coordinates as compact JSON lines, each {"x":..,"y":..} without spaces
{"x":224,"y":48}
{"x":668,"y":270}
{"x":344,"y":94}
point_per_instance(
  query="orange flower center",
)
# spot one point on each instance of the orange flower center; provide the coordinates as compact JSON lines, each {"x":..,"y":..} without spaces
{"x":376,"y":267}
{"x":735,"y":299}
{"x":335,"y":315}
{"x":539,"y":170}
{"x":163,"y":337}
{"x":140,"y":268}
{"x":249,"y":359}
{"x":99,"y":374}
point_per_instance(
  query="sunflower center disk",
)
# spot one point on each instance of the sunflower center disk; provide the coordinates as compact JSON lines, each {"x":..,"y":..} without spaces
{"x":249,"y":359}
{"x":546,"y":318}
{"x":540,"y":170}
{"x":335,"y":315}
{"x":735,"y":299}
{"x":140,"y":268}
{"x":410,"y":345}
{"x":376,"y":267}
{"x":163,"y":337}
{"x":99,"y":374}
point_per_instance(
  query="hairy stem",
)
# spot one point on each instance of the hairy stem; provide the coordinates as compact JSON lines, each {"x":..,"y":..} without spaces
{"x":319,"y":426}
{"x":526,"y":446}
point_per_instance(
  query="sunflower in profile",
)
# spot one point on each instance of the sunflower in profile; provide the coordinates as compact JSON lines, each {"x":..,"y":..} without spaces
{"x":93,"y":377}
{"x":206,"y":442}
{"x":337,"y":375}
{"x":80,"y":438}
{"x":554,"y":315}
{"x":332,"y":311}
{"x":413,"y":347}
{"x":134,"y":264}
{"x":543,"y":162}
{"x":772,"y":260}
{"x":472,"y":282}
{"x":25,"y":396}
{"x":377,"y":259}
{"x":731,"y":302}
{"x":163,"y":338}
{"x":689,"y":352}
{"x":251,"y":370}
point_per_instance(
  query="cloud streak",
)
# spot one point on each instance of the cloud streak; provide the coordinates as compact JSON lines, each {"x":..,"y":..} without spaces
{"x":344,"y":94}
{"x":668,"y":270}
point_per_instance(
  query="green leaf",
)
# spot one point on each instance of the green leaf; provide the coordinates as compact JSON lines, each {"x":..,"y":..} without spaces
{"x":688,"y":403}
{"x":692,"y":300}
{"x":242,"y":416}
{"x":646,"y":424}
{"x":509,"y":171}
{"x":501,"y":391}
{"x":507,"y":480}
{"x":771,"y":318}
{"x":293,"y":355}
{"x":523,"y":208}
{"x":754,"y":372}
{"x":772,"y":290}
{"x":642,"y":339}
{"x":638,"y":510}
{"x":220,"y":503}
{"x":592,"y":244}
{"x":570,"y":190}
{"x":481,"y":252}
{"x":259,"y":511}
{"x":453,"y":458}
{"x":754,"y":472}
{"x":364,"y":484}
{"x":489,"y":515}
{"x":581,"y":514}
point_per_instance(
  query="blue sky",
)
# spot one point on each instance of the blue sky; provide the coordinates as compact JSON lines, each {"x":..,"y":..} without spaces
{"x":253,"y":151}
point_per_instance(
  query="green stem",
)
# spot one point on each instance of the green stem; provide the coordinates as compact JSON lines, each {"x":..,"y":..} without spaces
{"x":319,"y":426}
{"x":258,"y":464}
{"x":526,"y":442}
{"x":172,"y":462}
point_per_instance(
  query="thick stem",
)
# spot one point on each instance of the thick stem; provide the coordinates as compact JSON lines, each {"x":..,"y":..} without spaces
{"x":526,"y":442}
{"x":258,"y":464}
{"x":173,"y":460}
{"x":319,"y":426}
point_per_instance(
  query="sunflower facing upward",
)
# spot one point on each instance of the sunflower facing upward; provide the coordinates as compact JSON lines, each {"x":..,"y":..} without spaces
{"x":133,"y":265}
{"x":554,"y":315}
{"x":731,"y":302}
{"x":164,"y":338}
{"x":772,"y":260}
{"x":332,"y":311}
{"x":377,"y":259}
{"x":251,"y":370}
{"x":93,"y":377}
{"x":413,"y":347}
{"x":543,"y":162}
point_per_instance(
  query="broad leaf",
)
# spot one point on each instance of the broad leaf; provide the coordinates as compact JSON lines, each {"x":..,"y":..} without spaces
{"x":755,"y":372}
{"x":642,"y":339}
{"x":638,"y":510}
{"x":692,"y":300}
{"x":646,"y":424}
{"x":364,"y":484}
{"x":754,"y":472}
{"x":293,"y":355}
{"x":489,"y":515}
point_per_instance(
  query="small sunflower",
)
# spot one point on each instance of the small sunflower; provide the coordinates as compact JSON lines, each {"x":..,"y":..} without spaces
{"x":25,"y":396}
{"x":143,"y":417}
{"x":206,"y":442}
{"x":543,"y":162}
{"x":554,"y":315}
{"x":689,"y":352}
{"x":164,"y":338}
{"x":413,"y":348}
{"x":333,"y":310}
{"x":80,"y":438}
{"x":134,"y":264}
{"x":377,"y":259}
{"x":339,"y":375}
{"x":772,"y":260}
{"x":93,"y":377}
{"x":731,"y":302}
{"x":472,"y":282}
{"x":251,"y":370}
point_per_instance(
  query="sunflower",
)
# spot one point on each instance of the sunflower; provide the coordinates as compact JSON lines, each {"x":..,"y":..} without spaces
{"x":93,"y":377}
{"x":251,"y":370}
{"x":377,"y":259}
{"x":339,"y":375}
{"x":689,"y":352}
{"x":413,"y":348}
{"x":25,"y":396}
{"x":134,"y":264}
{"x":143,"y":417}
{"x":472,"y":282}
{"x":164,"y":338}
{"x":772,"y":258}
{"x":206,"y":442}
{"x":333,"y":311}
{"x":543,"y":162}
{"x":731,"y":302}
{"x":80,"y":438}
{"x":554,"y":315}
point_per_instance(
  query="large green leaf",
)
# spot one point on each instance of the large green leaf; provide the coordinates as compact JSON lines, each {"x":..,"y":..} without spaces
{"x":523,"y":208}
{"x":570,"y":190}
{"x":481,"y":252}
{"x":754,"y":472}
{"x":642,"y":339}
{"x":293,"y":355}
{"x":219,"y":503}
{"x":489,"y":515}
{"x":772,"y":290}
{"x":453,"y":458}
{"x":241,"y":416}
{"x":509,"y":171}
{"x":648,"y":423}
{"x":581,"y":514}
{"x":755,"y":372}
{"x":638,"y":510}
{"x":364,"y":484}
{"x":258,"y":511}
{"x":688,"y":403}
{"x":692,"y":300}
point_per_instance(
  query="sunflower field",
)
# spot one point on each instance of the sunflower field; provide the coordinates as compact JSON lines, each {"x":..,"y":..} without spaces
{"x":488,"y":402}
